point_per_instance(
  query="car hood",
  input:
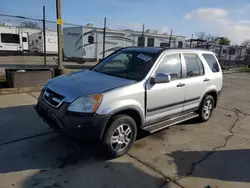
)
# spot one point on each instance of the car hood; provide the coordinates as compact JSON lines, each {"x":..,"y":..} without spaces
{"x":83,"y":83}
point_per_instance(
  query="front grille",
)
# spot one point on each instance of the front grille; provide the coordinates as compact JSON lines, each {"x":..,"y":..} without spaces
{"x":52,"y":98}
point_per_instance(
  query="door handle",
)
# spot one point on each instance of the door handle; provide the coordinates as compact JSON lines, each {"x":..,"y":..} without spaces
{"x":180,"y":85}
{"x":206,"y":80}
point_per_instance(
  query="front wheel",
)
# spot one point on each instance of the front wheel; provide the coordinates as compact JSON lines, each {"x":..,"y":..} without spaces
{"x":120,"y":136}
{"x":206,"y":109}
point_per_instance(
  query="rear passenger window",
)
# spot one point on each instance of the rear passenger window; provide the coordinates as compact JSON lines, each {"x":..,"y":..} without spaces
{"x":194,"y":65}
{"x":212,"y":62}
{"x":171,"y":64}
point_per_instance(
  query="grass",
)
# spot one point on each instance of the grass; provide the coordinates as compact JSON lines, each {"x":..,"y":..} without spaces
{"x":3,"y":82}
{"x":244,"y":69}
{"x":2,"y":78}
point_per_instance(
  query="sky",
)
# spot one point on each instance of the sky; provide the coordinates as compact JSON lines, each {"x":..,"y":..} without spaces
{"x":230,"y":18}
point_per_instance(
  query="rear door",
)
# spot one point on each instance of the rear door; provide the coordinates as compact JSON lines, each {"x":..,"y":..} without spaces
{"x":215,"y":78}
{"x":195,"y":80}
{"x":25,"y":41}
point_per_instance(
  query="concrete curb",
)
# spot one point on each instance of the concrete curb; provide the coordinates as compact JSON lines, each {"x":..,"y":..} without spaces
{"x":7,"y":91}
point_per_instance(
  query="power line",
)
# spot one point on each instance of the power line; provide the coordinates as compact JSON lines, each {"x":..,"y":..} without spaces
{"x":33,"y":19}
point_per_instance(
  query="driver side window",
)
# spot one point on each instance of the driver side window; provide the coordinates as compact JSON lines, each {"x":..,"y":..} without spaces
{"x":120,"y":61}
{"x":171,"y":64}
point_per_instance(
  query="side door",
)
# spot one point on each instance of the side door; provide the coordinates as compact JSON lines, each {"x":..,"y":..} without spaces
{"x":165,"y":99}
{"x":195,"y":80}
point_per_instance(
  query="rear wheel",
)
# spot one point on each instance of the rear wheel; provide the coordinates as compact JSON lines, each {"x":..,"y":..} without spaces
{"x":120,"y":136}
{"x":206,"y":109}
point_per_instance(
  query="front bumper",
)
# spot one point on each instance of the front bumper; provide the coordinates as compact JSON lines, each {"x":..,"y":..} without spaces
{"x":74,"y":125}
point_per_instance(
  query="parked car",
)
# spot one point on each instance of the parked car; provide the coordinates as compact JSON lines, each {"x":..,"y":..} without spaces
{"x":135,"y":88}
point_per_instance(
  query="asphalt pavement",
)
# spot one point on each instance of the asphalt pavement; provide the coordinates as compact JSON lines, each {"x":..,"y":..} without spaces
{"x":190,"y":155}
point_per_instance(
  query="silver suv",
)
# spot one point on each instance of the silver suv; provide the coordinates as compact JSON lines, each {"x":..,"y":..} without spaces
{"x":132,"y":89}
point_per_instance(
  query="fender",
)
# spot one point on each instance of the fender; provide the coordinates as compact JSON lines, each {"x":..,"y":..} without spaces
{"x":130,"y":107}
{"x":213,"y":90}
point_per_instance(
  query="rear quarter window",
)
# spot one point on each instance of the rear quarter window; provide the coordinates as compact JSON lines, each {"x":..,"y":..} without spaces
{"x":212,"y":62}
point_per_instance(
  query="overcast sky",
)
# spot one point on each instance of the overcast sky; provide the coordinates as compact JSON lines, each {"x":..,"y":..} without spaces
{"x":229,"y":18}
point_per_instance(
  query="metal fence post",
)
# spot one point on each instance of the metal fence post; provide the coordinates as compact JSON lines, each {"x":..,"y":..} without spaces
{"x":104,"y":36}
{"x":240,"y":53}
{"x":44,"y":37}
{"x":220,"y":52}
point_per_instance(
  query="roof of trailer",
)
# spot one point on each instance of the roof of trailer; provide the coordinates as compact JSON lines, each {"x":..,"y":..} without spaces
{"x":144,"y":49}
{"x":161,"y":49}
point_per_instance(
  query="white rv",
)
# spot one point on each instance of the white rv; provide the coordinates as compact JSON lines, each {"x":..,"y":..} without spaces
{"x":226,"y":52}
{"x":13,"y":39}
{"x":87,"y":42}
{"x":36,"y":42}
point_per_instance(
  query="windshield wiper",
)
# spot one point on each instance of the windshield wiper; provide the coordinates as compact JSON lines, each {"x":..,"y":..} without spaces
{"x":111,"y":74}
{"x":116,"y":75}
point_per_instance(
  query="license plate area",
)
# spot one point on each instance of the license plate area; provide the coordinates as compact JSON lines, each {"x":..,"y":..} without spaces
{"x":50,"y":118}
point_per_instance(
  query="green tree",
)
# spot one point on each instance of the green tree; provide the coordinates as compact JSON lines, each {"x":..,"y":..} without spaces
{"x":223,"y":41}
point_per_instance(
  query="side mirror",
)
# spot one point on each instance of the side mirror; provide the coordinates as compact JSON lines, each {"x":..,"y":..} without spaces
{"x":161,"y":78}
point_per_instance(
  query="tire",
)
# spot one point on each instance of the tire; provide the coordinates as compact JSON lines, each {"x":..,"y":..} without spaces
{"x":206,"y":108}
{"x":122,"y":128}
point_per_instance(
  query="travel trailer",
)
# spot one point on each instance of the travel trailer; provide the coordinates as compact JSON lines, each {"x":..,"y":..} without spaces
{"x":87,"y":42}
{"x":36,"y":42}
{"x":13,"y":39}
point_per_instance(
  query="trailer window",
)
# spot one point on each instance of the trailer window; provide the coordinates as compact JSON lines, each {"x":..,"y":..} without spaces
{"x":10,"y":38}
{"x":151,"y":42}
{"x":180,"y":44}
{"x":164,"y":44}
{"x":91,"y":39}
{"x":232,"y":51}
{"x":141,"y":41}
{"x":24,"y":39}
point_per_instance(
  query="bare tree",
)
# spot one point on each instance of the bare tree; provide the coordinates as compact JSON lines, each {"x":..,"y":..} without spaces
{"x":246,"y":43}
{"x":30,"y":24}
{"x":4,"y":24}
{"x":201,"y":35}
{"x":205,"y":37}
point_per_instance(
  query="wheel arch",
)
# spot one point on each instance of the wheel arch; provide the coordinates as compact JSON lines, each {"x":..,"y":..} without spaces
{"x":214,"y":94}
{"x":132,"y":111}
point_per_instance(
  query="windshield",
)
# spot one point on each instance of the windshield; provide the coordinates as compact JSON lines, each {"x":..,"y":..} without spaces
{"x":133,"y":65}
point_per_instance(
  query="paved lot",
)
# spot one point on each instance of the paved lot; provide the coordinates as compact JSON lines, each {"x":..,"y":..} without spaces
{"x":216,"y":153}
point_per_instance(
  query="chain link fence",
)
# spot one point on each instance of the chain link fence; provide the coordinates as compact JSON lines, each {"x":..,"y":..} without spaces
{"x":29,"y":42}
{"x":33,"y":43}
{"x":230,"y":57}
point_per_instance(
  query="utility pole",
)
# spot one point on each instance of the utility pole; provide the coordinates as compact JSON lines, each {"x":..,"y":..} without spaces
{"x":104,"y":36}
{"x":59,"y":35}
{"x":143,"y":27}
{"x":191,"y":40}
{"x":170,"y":38}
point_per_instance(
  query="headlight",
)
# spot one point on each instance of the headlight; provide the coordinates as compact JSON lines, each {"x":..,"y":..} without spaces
{"x":86,"y":104}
